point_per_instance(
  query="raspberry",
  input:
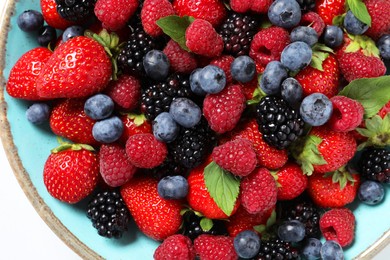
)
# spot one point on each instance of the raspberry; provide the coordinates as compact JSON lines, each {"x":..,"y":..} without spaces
{"x":347,"y":114}
{"x":180,"y":60}
{"x":125,"y":92}
{"x":313,"y":20}
{"x":202,"y":39}
{"x":224,"y":63}
{"x":236,"y":156}
{"x":338,"y":225}
{"x":152,"y":10}
{"x":209,"y":247}
{"x":257,"y":6}
{"x":145,"y":151}
{"x":223,"y":110}
{"x":175,"y":247}
{"x":292,"y":181}
{"x":115,"y":13}
{"x":379,"y":11}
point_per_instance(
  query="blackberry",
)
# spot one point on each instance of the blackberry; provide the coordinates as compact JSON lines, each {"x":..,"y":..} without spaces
{"x":237,"y":33}
{"x":278,"y":122}
{"x":192,"y":228}
{"x":109,"y":214}
{"x":375,"y":165}
{"x":75,"y":10}
{"x":306,"y":5}
{"x":168,"y":168}
{"x":276,"y":249}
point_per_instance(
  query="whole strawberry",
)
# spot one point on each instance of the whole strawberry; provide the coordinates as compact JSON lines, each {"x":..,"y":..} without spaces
{"x":153,"y":10}
{"x":209,"y":247}
{"x":291,"y":181}
{"x":51,"y":16}
{"x":114,"y":14}
{"x":125,"y":92}
{"x":338,"y":225}
{"x":175,"y":247}
{"x":347,"y":114}
{"x":379,"y":10}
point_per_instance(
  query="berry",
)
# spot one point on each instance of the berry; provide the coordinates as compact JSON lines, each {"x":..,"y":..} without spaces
{"x":168,"y":168}
{"x":328,"y":10}
{"x":291,"y":91}
{"x":76,"y":11}
{"x":151,"y":12}
{"x":371,"y":192}
{"x":379,"y":13}
{"x":274,"y":74}
{"x":156,"y":65}
{"x":347,"y":114}
{"x":108,"y":214}
{"x":296,"y":56}
{"x":291,"y":231}
{"x":292,"y":181}
{"x":47,"y":35}
{"x":333,"y":36}
{"x":212,"y":79}
{"x":108,"y":130}
{"x":114,"y":14}
{"x":193,"y":229}
{"x":173,"y":187}
{"x":284,"y":13}
{"x":247,"y":244}
{"x":30,"y":21}
{"x":180,"y":60}
{"x":331,"y":250}
{"x":304,"y":34}
{"x":134,"y":124}
{"x":312,"y":19}
{"x":125,"y":92}
{"x":195,"y":82}
{"x":224,"y":62}
{"x":51,"y":16}
{"x":243,"y":69}
{"x":383,"y":45}
{"x":257,"y":6}
{"x":353,"y":25}
{"x":316,"y":109}
{"x":38,"y":113}
{"x":306,"y":5}
{"x":165,"y":129}
{"x":175,"y":247}
{"x":99,"y":106}
{"x":277,"y":249}
{"x":311,"y":249}
{"x":375,"y":165}
{"x":209,"y":247}
{"x":72,"y":32}
{"x":185,"y":112}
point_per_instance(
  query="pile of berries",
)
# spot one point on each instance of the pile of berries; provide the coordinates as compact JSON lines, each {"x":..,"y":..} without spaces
{"x":181,"y":118}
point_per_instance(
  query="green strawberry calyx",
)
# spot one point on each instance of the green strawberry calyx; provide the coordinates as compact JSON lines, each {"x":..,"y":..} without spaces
{"x":320,"y":54}
{"x":138,"y":119}
{"x":377,"y":131}
{"x":363,"y":43}
{"x":341,"y":176}
{"x":264,"y":228}
{"x":64,"y":146}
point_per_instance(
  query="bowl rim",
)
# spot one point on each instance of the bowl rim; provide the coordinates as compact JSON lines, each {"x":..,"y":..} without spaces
{"x":30,"y":191}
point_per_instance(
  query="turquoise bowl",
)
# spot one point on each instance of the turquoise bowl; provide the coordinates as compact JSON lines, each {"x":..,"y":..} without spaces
{"x":28,"y":146}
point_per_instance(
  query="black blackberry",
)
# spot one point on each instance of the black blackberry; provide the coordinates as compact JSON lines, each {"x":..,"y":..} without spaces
{"x":237,"y":33}
{"x":306,"y":5}
{"x":192,"y":228}
{"x":278,"y":122}
{"x":109,"y":214}
{"x":168,"y":168}
{"x":75,"y":10}
{"x":276,"y":249}
{"x":375,"y":165}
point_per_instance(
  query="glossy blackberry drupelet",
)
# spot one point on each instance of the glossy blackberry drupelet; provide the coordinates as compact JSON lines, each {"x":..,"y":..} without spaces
{"x":375,"y":165}
{"x":109,"y":214}
{"x":168,"y":168}
{"x":278,"y":122}
{"x":276,"y":249}
{"x":192,"y":229}
{"x":75,"y":10}
{"x":306,"y":5}
{"x":237,"y":33}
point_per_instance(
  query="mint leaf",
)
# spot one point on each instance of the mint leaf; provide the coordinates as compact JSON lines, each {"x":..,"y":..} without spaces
{"x":372,"y":93}
{"x":175,"y":27}
{"x":359,"y":9}
{"x":206,"y":224}
{"x":222,"y":186}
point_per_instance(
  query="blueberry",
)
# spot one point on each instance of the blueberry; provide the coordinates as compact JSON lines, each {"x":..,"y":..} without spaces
{"x":165,"y":128}
{"x":371,"y":192}
{"x":292,"y":231}
{"x":384,"y":46}
{"x":156,"y":65}
{"x":108,"y":130}
{"x":71,"y":32}
{"x":243,"y":69}
{"x":195,"y":83}
{"x":247,"y":244}
{"x":285,"y":13}
{"x":331,"y":250}
{"x":30,"y":21}
{"x":173,"y":187}
{"x":185,"y":112}
{"x":316,"y":109}
{"x":99,"y":106}
{"x":311,"y":249}
{"x":296,"y":56}
{"x":272,"y":78}
{"x":291,"y":91}
{"x":353,"y":25}
{"x":38,"y":113}
{"x":47,"y":34}
{"x":333,"y":36}
{"x":304,"y":34}
{"x":212,"y":79}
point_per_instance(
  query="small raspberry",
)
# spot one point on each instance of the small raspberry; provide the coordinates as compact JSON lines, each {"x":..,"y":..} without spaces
{"x":313,"y":20}
{"x":347,"y":114}
{"x":257,"y":6}
{"x":153,"y":10}
{"x":237,"y":157}
{"x":224,"y":63}
{"x":114,"y":14}
{"x":181,"y":61}
{"x":209,"y":247}
{"x":125,"y":92}
{"x":338,"y":225}
{"x":292,"y":182}
{"x":379,"y":11}
{"x":202,"y":39}
{"x":175,"y":247}
{"x":223,"y":110}
{"x":145,"y":151}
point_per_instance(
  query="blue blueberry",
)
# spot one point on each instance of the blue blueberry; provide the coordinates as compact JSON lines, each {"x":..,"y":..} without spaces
{"x":185,"y":112}
{"x":371,"y":192}
{"x":285,"y":13}
{"x":173,"y":187}
{"x":247,"y":244}
{"x":156,"y":65}
{"x":243,"y":69}
{"x":296,"y":56}
{"x":71,"y":32}
{"x":353,"y":25}
{"x":47,"y":34}
{"x":195,"y":83}
{"x":292,"y":231}
{"x":165,"y":128}
{"x":30,"y":21}
{"x":291,"y":91}
{"x":108,"y":130}
{"x":311,"y":249}
{"x":384,"y":46}
{"x":304,"y":34}
{"x":331,"y":250}
{"x":212,"y":79}
{"x":99,"y":106}
{"x":272,"y":78}
{"x":333,"y":36}
{"x":316,"y":109}
{"x":38,"y":113}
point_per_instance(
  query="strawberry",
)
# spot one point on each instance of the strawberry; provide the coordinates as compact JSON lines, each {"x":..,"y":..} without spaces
{"x":125,"y":92}
{"x":155,"y":217}
{"x":384,"y":110}
{"x":224,"y":62}
{"x":291,"y":181}
{"x":23,"y":75}
{"x":175,"y":247}
{"x":338,"y":225}
{"x":347,"y":114}
{"x":71,"y":172}
{"x":209,"y":247}
{"x":257,"y":6}
{"x":180,"y":60}
{"x":134,"y":124}
{"x":329,"y":9}
{"x":379,"y":11}
{"x":114,"y":14}
{"x":51,"y":16}
{"x":153,"y":10}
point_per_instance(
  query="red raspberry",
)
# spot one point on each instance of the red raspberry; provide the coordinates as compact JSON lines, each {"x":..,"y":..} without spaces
{"x":153,"y":10}
{"x":223,"y":110}
{"x":125,"y":92}
{"x":292,"y":181}
{"x":202,"y":39}
{"x":338,"y":225}
{"x":379,"y":11}
{"x":313,"y":20}
{"x":249,"y":88}
{"x":115,"y":167}
{"x":224,"y":63}
{"x":180,"y":60}
{"x":257,"y":6}
{"x":175,"y":247}
{"x":114,"y":14}
{"x":347,"y":114}
{"x":145,"y":151}
{"x":258,"y":191}
{"x":237,"y":157}
{"x":209,"y":247}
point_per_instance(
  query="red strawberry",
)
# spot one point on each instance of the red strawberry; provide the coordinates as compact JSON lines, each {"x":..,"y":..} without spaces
{"x":134,"y":124}
{"x":209,"y":247}
{"x":347,"y":114}
{"x":175,"y":247}
{"x":153,"y":10}
{"x":224,"y":63}
{"x":257,"y":6}
{"x":114,"y":14}
{"x":384,"y":110}
{"x":313,"y":20}
{"x":125,"y":92}
{"x":71,"y":172}
{"x":155,"y":217}
{"x":329,"y":9}
{"x":51,"y":16}
{"x":78,"y":68}
{"x":223,"y":110}
{"x":250,"y":88}
{"x":379,"y":11}
{"x":258,"y":191}
{"x":292,"y":182}
{"x":23,"y":76}
{"x":338,"y":225}
{"x":180,"y":60}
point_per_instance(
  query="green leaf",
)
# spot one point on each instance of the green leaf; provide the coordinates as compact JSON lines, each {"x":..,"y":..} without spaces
{"x":260,"y":228}
{"x":272,"y":219}
{"x":175,"y":27}
{"x":359,"y":9}
{"x":372,"y":93}
{"x":222,"y":186}
{"x":206,"y":224}
{"x":338,"y":20}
